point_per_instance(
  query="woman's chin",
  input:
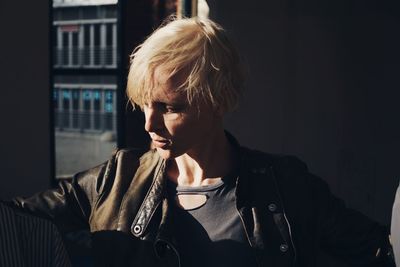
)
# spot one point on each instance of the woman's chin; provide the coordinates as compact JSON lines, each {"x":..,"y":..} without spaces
{"x":166,"y":153}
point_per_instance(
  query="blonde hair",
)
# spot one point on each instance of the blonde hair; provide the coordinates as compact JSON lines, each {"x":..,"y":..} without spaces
{"x":196,"y":47}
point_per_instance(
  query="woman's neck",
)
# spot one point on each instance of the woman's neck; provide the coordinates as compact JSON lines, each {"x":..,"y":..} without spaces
{"x":203,"y":165}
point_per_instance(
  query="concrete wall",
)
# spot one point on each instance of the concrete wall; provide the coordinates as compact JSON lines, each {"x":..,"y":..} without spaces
{"x":24,"y":98}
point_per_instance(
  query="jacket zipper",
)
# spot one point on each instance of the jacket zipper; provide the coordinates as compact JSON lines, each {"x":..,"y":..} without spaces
{"x":244,"y":227}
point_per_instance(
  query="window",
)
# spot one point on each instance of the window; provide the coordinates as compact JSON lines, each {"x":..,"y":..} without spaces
{"x":84,"y":83}
{"x":89,"y":74}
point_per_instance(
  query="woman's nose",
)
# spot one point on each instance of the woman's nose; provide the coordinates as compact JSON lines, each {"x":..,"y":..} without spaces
{"x":153,"y":119}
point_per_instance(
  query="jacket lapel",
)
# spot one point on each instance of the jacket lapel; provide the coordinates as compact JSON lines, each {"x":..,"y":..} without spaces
{"x":143,"y":195}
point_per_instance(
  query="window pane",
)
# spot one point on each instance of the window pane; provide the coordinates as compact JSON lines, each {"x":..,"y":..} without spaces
{"x":87,"y":51}
{"x":74,"y":48}
{"x":96,"y":44}
{"x":65,"y":48}
{"x":108,"y":53}
{"x":84,"y":104}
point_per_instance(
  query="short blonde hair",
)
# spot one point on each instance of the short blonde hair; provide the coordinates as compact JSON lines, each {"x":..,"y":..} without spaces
{"x":201,"y":50}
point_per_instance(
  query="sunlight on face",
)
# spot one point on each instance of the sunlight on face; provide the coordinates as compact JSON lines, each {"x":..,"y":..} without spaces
{"x":175,"y":126}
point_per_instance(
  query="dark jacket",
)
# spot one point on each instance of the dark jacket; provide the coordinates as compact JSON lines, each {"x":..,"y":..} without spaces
{"x":288,"y":213}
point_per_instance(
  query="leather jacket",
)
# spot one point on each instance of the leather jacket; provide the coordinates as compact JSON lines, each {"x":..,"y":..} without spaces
{"x":288,"y":214}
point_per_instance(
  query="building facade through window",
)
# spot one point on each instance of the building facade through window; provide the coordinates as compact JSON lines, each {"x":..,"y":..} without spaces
{"x":85,"y":103}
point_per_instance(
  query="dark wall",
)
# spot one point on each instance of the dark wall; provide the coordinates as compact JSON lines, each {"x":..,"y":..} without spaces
{"x":323,"y":85}
{"x":24,"y":98}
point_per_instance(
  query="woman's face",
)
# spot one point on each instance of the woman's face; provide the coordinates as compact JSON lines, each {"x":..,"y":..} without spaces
{"x":175,"y":126}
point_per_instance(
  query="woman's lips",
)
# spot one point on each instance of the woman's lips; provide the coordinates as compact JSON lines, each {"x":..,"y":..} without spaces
{"x":161,"y":143}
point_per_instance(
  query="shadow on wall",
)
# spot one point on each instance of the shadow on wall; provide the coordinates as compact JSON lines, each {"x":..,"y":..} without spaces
{"x":322,"y":86}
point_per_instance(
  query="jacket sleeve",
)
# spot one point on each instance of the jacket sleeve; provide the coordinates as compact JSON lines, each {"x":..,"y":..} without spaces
{"x":347,"y":234}
{"x":69,"y":204}
{"x":343,"y":233}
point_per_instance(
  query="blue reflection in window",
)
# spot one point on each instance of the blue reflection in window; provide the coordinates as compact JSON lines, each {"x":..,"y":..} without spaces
{"x":96,"y":95}
{"x":66,"y":94}
{"x":87,"y":95}
{"x":108,"y":106}
{"x":55,"y":94}
{"x":109,"y":96}
{"x":75,"y":95}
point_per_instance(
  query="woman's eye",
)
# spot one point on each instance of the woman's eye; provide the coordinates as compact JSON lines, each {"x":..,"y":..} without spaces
{"x":172,"y":109}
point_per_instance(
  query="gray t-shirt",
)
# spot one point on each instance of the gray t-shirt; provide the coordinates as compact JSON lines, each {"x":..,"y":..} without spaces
{"x":212,"y":234}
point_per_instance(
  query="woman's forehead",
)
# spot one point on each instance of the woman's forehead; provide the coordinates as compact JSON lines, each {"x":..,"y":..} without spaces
{"x":166,"y":87}
{"x":167,"y":94}
{"x":163,"y":75}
